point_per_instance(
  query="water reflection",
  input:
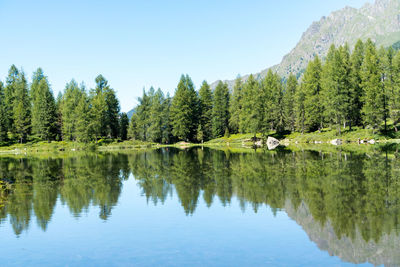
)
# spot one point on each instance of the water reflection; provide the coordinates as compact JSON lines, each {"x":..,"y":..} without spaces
{"x":348,"y":203}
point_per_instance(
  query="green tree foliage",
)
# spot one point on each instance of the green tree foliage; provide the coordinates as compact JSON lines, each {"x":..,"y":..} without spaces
{"x":184,"y":110}
{"x":133,"y":132}
{"x":21,"y":109}
{"x":220,"y":112}
{"x":70,"y":100}
{"x":271,"y":103}
{"x":346,"y":89}
{"x":336,"y":86}
{"x":9,"y":95}
{"x":372,"y":86}
{"x":289,"y":102}
{"x":44,"y":110}
{"x":204,"y":131}
{"x":356,"y":90}
{"x":235,"y":105}
{"x":394,"y":92}
{"x":104,"y":110}
{"x":312,"y":99}
{"x":3,"y":115}
{"x":251,"y":114}
{"x":123,"y":126}
{"x":156,"y":123}
{"x":166,"y":119}
{"x":142,"y":116}
{"x":299,"y":108}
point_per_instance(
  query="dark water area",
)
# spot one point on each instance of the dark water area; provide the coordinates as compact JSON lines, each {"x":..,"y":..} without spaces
{"x":198,"y":207}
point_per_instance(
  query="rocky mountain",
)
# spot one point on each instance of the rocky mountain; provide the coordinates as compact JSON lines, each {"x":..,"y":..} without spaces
{"x":379,"y":21}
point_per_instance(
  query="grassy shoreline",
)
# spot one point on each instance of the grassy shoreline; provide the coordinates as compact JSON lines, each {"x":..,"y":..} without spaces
{"x":237,"y":141}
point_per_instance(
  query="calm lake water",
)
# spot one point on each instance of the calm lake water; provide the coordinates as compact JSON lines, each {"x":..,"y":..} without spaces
{"x":201,"y":207}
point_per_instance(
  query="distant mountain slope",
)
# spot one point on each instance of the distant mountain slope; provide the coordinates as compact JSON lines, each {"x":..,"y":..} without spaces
{"x":379,"y":21}
{"x":130,"y":113}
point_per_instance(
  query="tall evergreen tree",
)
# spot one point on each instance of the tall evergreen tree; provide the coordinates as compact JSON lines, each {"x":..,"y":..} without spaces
{"x":104,"y":109}
{"x":59,"y":116}
{"x":355,"y":105}
{"x":251,"y":114}
{"x":133,"y":129}
{"x":289,"y":101}
{"x":336,"y":87}
{"x":9,"y":95}
{"x":83,"y":132}
{"x":272,"y":103}
{"x":184,"y":110}
{"x":44,"y":110}
{"x":371,"y":83}
{"x":235,"y":105}
{"x":3,"y":116}
{"x":166,"y":118}
{"x":112,"y":107}
{"x":123,"y":126}
{"x":206,"y":104}
{"x":312,"y":98}
{"x":395,"y":91}
{"x":142,"y":119}
{"x":220,"y":112}
{"x":300,"y":108}
{"x":385,"y":67}
{"x":21,"y":109}
{"x":71,"y":97}
{"x":155,"y":130}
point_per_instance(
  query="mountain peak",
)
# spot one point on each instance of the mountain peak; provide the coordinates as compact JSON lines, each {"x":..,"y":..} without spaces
{"x":379,"y":21}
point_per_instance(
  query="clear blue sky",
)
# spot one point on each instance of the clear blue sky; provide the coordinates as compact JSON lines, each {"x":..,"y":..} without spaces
{"x":136,"y":44}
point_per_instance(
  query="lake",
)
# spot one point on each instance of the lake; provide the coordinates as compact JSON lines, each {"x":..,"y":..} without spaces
{"x":201,"y":207}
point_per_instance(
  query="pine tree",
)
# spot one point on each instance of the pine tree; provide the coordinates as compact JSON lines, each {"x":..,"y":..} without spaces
{"x":37,"y":76}
{"x":155,"y":130}
{"x":123,"y":126}
{"x":220,"y":113}
{"x":166,"y":119}
{"x":104,"y":109}
{"x":21,"y":109}
{"x":112,"y":107}
{"x":235,"y":105}
{"x":3,"y":116}
{"x":251,"y":114}
{"x":9,"y":95}
{"x":83,"y":132}
{"x":336,"y":86}
{"x":272,"y":103}
{"x":289,"y":102}
{"x":385,"y":67}
{"x":312,"y":99}
{"x":59,"y":122}
{"x":300,"y":108}
{"x":133,"y":129}
{"x":98,"y":110}
{"x":184,"y":110}
{"x":206,"y":104}
{"x":395,"y":91}
{"x":372,"y":87}
{"x":355,"y":105}
{"x":71,"y":97}
{"x":44,"y":111}
{"x":142,"y":116}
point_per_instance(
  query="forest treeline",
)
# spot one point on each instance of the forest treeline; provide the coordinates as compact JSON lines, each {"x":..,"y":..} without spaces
{"x":358,"y":88}
{"x":31,"y":110}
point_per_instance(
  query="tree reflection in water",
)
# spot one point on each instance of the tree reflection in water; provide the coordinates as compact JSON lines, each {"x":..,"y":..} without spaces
{"x":337,"y":197}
